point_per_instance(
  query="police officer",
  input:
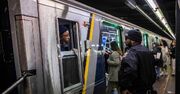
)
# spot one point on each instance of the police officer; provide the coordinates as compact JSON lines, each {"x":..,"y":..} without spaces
{"x":137,"y":73}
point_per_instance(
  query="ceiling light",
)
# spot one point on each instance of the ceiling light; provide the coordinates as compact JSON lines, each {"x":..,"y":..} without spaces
{"x":143,"y":13}
{"x":152,"y":4}
{"x":158,"y":13}
{"x":164,"y":21}
{"x":131,"y":4}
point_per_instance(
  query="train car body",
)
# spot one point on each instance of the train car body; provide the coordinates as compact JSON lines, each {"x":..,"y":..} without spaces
{"x":36,"y":45}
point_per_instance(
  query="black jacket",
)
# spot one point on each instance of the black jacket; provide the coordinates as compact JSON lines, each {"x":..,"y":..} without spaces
{"x":172,"y":54}
{"x":137,"y":71}
{"x":158,"y":62}
{"x":65,"y":47}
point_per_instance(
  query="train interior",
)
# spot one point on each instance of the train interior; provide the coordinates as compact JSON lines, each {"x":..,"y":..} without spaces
{"x":7,"y":66}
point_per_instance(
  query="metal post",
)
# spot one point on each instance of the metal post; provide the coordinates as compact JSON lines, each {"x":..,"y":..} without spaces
{"x":15,"y":84}
{"x":25,"y":74}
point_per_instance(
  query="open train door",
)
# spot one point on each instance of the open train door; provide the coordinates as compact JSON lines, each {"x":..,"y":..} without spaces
{"x":7,"y":65}
{"x":69,"y":57}
{"x":109,"y":32}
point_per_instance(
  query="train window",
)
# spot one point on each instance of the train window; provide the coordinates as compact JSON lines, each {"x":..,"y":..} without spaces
{"x":110,"y":32}
{"x":70,"y":66}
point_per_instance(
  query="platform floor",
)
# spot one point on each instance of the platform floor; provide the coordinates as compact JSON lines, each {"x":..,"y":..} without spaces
{"x":166,"y":84}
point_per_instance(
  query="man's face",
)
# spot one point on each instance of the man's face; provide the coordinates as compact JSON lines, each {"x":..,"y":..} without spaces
{"x":128,"y":42}
{"x":66,"y":37}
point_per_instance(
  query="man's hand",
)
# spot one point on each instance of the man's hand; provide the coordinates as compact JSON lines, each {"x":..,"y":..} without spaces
{"x":126,"y":92}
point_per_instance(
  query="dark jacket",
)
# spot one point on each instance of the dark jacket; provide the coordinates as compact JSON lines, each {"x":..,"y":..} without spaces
{"x":137,"y":71}
{"x":65,"y":47}
{"x":158,"y":61}
{"x":172,"y":54}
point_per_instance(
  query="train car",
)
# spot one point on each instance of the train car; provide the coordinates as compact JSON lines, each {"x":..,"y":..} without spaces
{"x":35,"y":25}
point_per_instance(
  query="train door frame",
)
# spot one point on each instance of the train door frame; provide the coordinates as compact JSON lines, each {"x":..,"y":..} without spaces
{"x":103,"y":39}
{"x":75,"y":51}
{"x":145,"y":40}
{"x":7,"y":62}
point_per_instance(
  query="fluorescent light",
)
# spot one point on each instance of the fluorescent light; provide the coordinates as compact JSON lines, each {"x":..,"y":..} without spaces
{"x":166,"y":25}
{"x":158,"y":13}
{"x":152,"y":4}
{"x":143,"y":13}
{"x":164,"y":21}
{"x":130,"y":4}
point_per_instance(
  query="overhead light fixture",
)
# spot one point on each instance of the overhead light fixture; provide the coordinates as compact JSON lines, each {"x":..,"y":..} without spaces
{"x":152,"y":4}
{"x":132,"y":4}
{"x":164,"y":21}
{"x":159,"y":14}
{"x":166,"y":25}
{"x":149,"y":18}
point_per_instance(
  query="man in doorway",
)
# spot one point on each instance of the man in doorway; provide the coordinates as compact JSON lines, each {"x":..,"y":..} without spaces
{"x":64,"y":38}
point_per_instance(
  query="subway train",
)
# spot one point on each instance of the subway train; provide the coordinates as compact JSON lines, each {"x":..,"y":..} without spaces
{"x":35,"y":35}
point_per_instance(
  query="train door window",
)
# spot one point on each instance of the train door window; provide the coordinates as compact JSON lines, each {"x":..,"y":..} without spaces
{"x":145,"y":37}
{"x":70,"y":65}
{"x":110,"y":32}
